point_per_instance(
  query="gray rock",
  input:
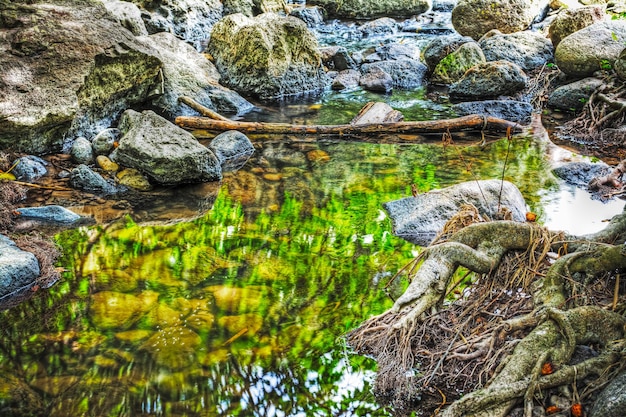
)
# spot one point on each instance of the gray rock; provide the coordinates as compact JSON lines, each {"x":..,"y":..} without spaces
{"x":442,"y":46}
{"x":337,"y":58}
{"x":491,"y":79}
{"x":163,"y":151}
{"x":81,"y":151}
{"x":570,"y":20}
{"x":42,"y":107}
{"x":369,"y":9}
{"x":588,"y":50}
{"x":573,"y":96}
{"x":104,"y":142}
{"x":284,"y":156}
{"x":452,"y":67}
{"x":84,"y":178}
{"x":419,"y":219}
{"x":611,"y":402}
{"x":29,"y":168}
{"x":128,"y":15}
{"x":376,"y":79}
{"x":49,"y":214}
{"x":380,"y":26}
{"x":191,"y":20}
{"x":476,"y":17}
{"x":346,"y":79}
{"x":312,"y":16}
{"x":620,"y":65}
{"x":527,"y":49}
{"x":188,"y":73}
{"x":405,"y":73}
{"x":18,"y":268}
{"x":580,"y":173}
{"x":393,"y":51}
{"x":232,"y":148}
{"x":268,"y":57}
{"x":238,"y":6}
{"x":512,"y":110}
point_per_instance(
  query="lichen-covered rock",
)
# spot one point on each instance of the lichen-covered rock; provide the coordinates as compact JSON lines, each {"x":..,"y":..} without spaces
{"x":81,"y":151}
{"x":376,"y":79}
{"x":188,"y":73}
{"x":268,"y":57}
{"x":116,"y":310}
{"x":569,"y":21}
{"x":190,"y":20}
{"x":18,"y":268}
{"x":405,"y":73}
{"x":611,"y":402}
{"x":491,"y":79}
{"x":368,"y":9}
{"x":529,"y":50}
{"x":419,"y":219}
{"x":573,"y":96}
{"x":512,"y":110}
{"x":29,"y":168}
{"x":451,"y":68}
{"x":592,"y":48}
{"x":476,"y":17}
{"x":442,"y":46}
{"x":67,"y":71}
{"x":163,"y":151}
{"x":128,"y":15}
{"x":346,"y":79}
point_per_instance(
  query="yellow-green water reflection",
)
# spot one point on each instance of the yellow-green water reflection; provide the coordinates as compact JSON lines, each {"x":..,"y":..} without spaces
{"x":241,"y":311}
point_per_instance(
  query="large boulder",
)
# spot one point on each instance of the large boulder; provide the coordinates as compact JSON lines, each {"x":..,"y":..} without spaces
{"x":268,"y":57}
{"x":18,"y":268}
{"x":66,"y":71}
{"x":419,"y":219}
{"x":574,"y":96}
{"x":452,"y":67}
{"x":529,"y":50}
{"x":442,"y":46}
{"x":128,"y":15}
{"x":595,"y":47}
{"x":491,"y":79}
{"x":190,"y":20}
{"x":476,"y":17}
{"x":188,"y":73}
{"x":405,"y":73}
{"x":569,"y":21}
{"x":368,"y":9}
{"x":163,"y":151}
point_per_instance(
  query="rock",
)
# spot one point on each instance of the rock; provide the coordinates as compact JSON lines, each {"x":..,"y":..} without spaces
{"x":405,"y":73}
{"x":106,"y":164}
{"x":377,"y":80}
{"x":592,"y":48}
{"x":574,"y":96}
{"x":569,"y":21}
{"x":84,"y":178}
{"x":163,"y":151}
{"x":620,"y":65}
{"x":442,"y":46}
{"x":611,"y":402}
{"x":188,"y":73}
{"x":116,"y":310}
{"x":18,"y":268}
{"x":346,"y":79}
{"x":81,"y":151}
{"x":394,"y":51}
{"x":244,"y":7}
{"x":476,"y":17}
{"x":580,"y":173}
{"x":512,"y":110}
{"x":451,"y":68}
{"x":312,"y":16}
{"x":368,"y":9}
{"x":268,"y":57}
{"x":232,"y":149}
{"x":287,"y":157}
{"x":128,"y":15}
{"x":378,"y":27}
{"x":49,"y":214}
{"x":529,"y":50}
{"x":191,"y":20}
{"x":99,"y":71}
{"x":237,"y":300}
{"x":132,"y":178}
{"x":104,"y":142}
{"x":337,"y":58}
{"x":419,"y":219}
{"x":490,"y":79}
{"x":377,"y":112}
{"x":29,"y":168}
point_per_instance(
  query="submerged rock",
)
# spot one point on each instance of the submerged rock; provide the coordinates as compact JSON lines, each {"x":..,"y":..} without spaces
{"x":268,"y":57}
{"x":18,"y":268}
{"x":232,"y":149}
{"x":163,"y":151}
{"x":419,"y":219}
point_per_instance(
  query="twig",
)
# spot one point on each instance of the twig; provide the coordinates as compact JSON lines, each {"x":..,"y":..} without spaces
{"x":205,"y":111}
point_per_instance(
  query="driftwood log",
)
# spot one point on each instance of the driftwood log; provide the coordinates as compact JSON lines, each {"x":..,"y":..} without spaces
{"x":216,"y":123}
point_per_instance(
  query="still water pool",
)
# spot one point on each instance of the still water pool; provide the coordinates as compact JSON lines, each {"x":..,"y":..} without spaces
{"x":240,"y":309}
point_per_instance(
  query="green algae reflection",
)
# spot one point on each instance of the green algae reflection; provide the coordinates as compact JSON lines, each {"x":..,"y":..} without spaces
{"x":241,"y":311}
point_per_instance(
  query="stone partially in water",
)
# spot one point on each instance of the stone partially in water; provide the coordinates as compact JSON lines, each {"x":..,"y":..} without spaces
{"x":18,"y":268}
{"x":84,"y":178}
{"x":419,"y":219}
{"x":490,"y":79}
{"x":49,"y":214}
{"x":29,"y":168}
{"x":232,"y":149}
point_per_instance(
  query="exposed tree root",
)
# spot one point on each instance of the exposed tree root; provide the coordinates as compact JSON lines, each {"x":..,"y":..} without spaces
{"x":521,"y":313}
